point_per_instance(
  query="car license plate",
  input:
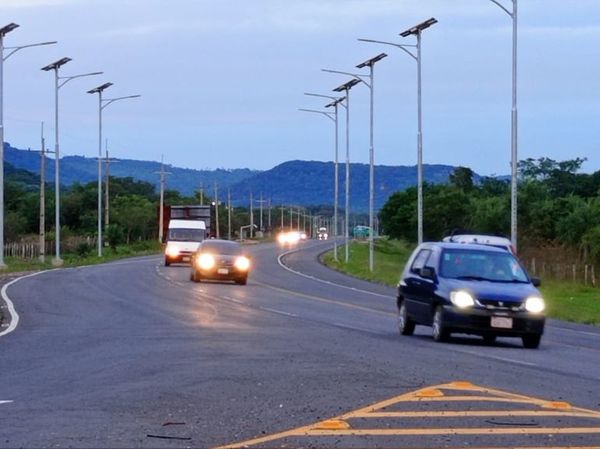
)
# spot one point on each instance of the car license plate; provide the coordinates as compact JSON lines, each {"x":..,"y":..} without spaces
{"x":502,"y":322}
{"x":186,"y":259}
{"x":223,"y":271}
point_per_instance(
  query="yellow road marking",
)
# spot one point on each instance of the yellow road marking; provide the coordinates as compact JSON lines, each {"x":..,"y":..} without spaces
{"x":338,"y":426}
{"x":466,"y":414}
{"x":458,"y":431}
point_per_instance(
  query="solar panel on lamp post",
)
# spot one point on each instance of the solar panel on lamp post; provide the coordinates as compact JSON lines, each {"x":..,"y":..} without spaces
{"x":57,"y":85}
{"x":514,"y":122}
{"x":416,"y":31}
{"x":12,"y":50}
{"x":102,"y":103}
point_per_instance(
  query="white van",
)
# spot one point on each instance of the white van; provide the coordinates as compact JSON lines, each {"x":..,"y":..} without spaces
{"x":183,"y":239}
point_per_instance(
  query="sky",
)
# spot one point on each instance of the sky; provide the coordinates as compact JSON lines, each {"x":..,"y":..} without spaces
{"x":222,"y":80}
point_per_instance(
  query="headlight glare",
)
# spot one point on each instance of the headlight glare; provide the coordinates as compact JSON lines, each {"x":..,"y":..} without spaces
{"x":535,"y":304}
{"x":205,"y":261}
{"x":172,"y":251}
{"x":462,"y":299}
{"x":242,"y":263}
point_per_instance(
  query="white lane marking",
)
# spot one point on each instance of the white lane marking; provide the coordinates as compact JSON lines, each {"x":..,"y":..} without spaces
{"x":14,"y":316}
{"x":358,"y":290}
{"x":502,"y":359}
{"x":355,"y":328}
{"x":279,"y":312}
{"x":6,"y":402}
{"x":593,"y":334}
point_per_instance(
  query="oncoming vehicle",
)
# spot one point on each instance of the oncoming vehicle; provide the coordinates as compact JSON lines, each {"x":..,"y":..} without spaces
{"x":183,"y":238}
{"x":322,"y":235}
{"x":471,"y":289}
{"x":482,"y":239}
{"x":221,"y":260}
{"x":289,"y":238}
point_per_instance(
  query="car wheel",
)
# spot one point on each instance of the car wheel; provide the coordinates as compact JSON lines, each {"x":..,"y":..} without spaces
{"x":439,"y":331}
{"x":196,"y":277}
{"x":489,"y":339}
{"x":167,"y":263}
{"x":532,"y":341}
{"x":242,"y":281}
{"x":406,"y":326}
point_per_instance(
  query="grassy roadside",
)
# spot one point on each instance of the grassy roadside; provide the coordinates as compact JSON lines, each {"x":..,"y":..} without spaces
{"x":15,"y":265}
{"x":565,"y":300}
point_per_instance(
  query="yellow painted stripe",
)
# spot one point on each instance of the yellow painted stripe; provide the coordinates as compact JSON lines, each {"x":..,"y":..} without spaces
{"x":482,"y":413}
{"x":470,"y":399}
{"x":457,"y":431}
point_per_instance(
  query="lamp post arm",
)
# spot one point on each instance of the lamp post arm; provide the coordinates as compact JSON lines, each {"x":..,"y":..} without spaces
{"x":340,"y":100}
{"x":21,"y":47}
{"x":501,"y":6}
{"x":110,"y":101}
{"x":402,"y":47}
{"x":66,"y":79}
{"x":354,"y":75}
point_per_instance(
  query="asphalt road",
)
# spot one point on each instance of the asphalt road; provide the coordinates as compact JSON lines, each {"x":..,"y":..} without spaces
{"x":133,"y":354}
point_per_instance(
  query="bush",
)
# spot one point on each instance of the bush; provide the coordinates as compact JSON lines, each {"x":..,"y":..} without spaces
{"x":83,"y":249}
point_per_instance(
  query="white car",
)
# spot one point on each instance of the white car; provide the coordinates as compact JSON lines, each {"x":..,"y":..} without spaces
{"x":482,"y":239}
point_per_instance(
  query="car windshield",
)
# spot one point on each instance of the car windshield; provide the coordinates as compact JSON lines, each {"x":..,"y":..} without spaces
{"x":481,"y":265}
{"x":226,"y":249}
{"x":186,"y":235}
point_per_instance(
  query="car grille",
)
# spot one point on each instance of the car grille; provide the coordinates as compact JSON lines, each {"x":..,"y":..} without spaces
{"x":494,"y":304}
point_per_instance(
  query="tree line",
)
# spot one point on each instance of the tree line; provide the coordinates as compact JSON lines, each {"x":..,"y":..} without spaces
{"x":557,"y":206}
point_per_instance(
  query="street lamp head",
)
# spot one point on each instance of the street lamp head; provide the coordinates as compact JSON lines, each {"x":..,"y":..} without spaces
{"x":372,"y":61}
{"x":347,"y":85}
{"x":8,"y":28}
{"x":97,"y":90}
{"x":418,"y":28}
{"x":55,"y":65}
{"x":335,"y":102}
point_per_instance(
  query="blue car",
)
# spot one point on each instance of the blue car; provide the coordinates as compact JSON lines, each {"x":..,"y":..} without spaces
{"x":470,"y":289}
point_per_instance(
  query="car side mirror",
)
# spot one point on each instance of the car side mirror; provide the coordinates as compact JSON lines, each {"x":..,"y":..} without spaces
{"x":427,"y":273}
{"x":536,"y":282}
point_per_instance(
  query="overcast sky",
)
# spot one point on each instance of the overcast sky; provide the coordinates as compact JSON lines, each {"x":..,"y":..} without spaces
{"x":221,"y":80}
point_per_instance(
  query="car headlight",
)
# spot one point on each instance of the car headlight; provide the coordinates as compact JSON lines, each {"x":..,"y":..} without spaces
{"x":242,"y":263}
{"x":282,"y":238}
{"x":462,"y":299}
{"x":535,"y":304}
{"x":205,"y":261}
{"x":172,"y":251}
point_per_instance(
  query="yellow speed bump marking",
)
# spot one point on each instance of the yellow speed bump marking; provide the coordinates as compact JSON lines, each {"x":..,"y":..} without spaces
{"x":339,"y":426}
{"x":332,"y":424}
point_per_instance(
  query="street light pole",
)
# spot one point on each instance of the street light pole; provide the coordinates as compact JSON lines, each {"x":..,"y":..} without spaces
{"x":416,"y":30}
{"x":514,"y":121}
{"x":161,"y":213}
{"x":371,"y":64}
{"x":12,"y":50}
{"x":55,"y":66}
{"x":102,"y":103}
{"x":335,"y":105}
{"x":346,"y":88}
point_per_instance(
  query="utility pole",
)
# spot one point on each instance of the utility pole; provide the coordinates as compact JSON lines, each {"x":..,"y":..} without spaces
{"x":201,"y":194}
{"x":161,"y":212}
{"x":251,"y":216}
{"x":218,"y":234}
{"x":43,"y":198}
{"x":282,"y":210}
{"x":228,"y":214}
{"x":270,"y":215}
{"x":108,"y":161}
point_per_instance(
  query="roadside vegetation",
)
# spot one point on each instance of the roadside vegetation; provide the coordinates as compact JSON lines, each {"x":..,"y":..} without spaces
{"x":565,"y":300}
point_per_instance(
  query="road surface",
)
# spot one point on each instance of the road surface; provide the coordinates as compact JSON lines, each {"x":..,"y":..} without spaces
{"x":132,"y":353}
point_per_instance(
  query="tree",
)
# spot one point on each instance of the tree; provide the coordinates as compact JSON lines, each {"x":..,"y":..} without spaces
{"x":462,"y":178}
{"x":136,"y":216}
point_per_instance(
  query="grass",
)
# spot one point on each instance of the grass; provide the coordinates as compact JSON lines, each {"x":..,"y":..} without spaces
{"x":565,"y":300}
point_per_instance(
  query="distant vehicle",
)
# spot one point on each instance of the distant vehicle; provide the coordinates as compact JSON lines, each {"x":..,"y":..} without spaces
{"x":289,"y":238}
{"x":183,"y":239}
{"x":322,"y":235}
{"x":482,"y":239}
{"x":471,"y":289}
{"x":221,"y":260}
{"x":197,"y":212}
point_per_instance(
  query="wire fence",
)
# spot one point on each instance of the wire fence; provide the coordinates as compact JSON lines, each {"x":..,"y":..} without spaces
{"x":582,"y":273}
{"x":28,"y":250}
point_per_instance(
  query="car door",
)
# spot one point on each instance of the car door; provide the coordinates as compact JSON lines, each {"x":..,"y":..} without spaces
{"x":415,"y":286}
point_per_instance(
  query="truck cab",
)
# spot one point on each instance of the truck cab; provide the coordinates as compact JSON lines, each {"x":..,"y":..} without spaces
{"x":183,"y":239}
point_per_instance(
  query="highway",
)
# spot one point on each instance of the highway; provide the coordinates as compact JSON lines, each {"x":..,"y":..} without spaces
{"x":133,"y":354}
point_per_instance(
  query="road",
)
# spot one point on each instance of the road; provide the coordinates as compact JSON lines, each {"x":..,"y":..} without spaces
{"x":133,"y":354}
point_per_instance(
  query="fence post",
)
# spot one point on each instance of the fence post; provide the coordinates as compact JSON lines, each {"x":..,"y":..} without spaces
{"x":593,"y":275}
{"x":574,"y":272}
{"x":533,"y":266}
{"x":585,"y":280}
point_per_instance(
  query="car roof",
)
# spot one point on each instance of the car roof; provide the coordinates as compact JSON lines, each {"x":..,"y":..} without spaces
{"x":462,"y":246}
{"x":477,"y":238}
